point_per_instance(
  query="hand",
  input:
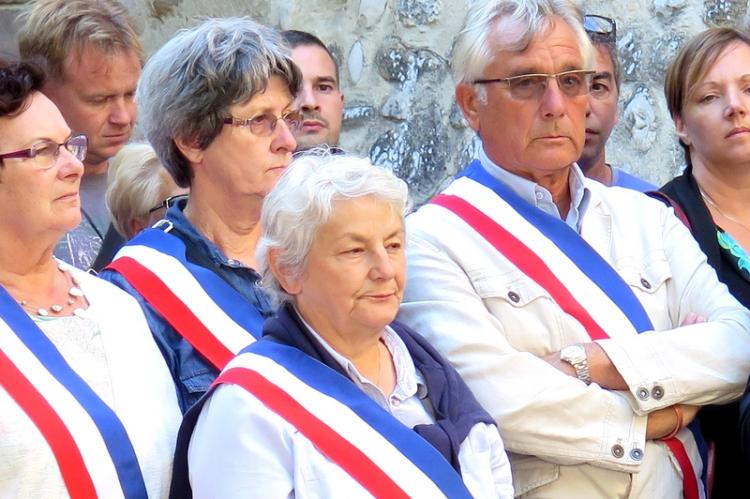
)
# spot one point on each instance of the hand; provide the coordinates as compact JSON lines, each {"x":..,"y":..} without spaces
{"x":662,"y":421}
{"x":693,"y":318}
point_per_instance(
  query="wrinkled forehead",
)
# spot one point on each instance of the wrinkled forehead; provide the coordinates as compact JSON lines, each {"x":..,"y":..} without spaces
{"x":514,"y":43}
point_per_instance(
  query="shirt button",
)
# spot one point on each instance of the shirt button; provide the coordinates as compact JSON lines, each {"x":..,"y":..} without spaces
{"x":657,"y":392}
{"x":618,"y":451}
{"x":395,"y":401}
{"x":514,"y":296}
{"x":539,"y":195}
{"x":636,"y":454}
{"x":645,"y":283}
{"x":642,"y":393}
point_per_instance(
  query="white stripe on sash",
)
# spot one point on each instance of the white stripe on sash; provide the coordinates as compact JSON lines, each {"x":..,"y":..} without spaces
{"x":601,"y":308}
{"x":345,"y":422}
{"x":187,"y":288}
{"x":82,"y":428}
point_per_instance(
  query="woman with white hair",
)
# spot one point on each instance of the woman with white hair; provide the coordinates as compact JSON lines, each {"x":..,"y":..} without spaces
{"x":337,"y":400}
{"x":139,"y":189}
{"x":216,"y":103}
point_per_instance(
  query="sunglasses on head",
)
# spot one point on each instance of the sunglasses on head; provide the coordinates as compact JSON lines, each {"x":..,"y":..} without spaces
{"x":167,"y":203}
{"x":600,"y":27}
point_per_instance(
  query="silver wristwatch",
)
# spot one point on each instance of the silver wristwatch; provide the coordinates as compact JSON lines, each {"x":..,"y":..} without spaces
{"x":575,"y":355}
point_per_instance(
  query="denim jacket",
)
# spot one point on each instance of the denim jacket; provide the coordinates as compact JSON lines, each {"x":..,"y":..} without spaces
{"x":192,"y":373}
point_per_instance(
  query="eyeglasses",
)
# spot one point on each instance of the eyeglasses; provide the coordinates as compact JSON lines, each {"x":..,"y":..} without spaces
{"x":168,"y":203}
{"x":600,"y":28}
{"x":264,"y":124}
{"x":46,"y":152}
{"x":533,"y":86}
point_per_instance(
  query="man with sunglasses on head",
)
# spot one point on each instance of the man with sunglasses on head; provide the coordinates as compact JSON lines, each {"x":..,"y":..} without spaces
{"x":216,"y":103}
{"x":572,"y":310}
{"x":601,"y":115}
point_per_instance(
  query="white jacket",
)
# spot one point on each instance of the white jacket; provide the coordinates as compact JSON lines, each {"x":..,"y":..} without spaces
{"x":494,"y":324}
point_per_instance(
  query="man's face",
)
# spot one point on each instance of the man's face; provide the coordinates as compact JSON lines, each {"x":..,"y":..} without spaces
{"x":96,"y":94}
{"x":601,"y":116}
{"x":532,"y":137}
{"x":320,"y":99}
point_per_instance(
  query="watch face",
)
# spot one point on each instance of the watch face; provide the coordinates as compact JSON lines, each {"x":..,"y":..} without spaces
{"x":573,"y":353}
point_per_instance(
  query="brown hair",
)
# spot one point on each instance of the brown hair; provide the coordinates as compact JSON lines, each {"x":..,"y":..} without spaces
{"x":691,"y":64}
{"x":51,"y":29}
{"x":18,"y":80}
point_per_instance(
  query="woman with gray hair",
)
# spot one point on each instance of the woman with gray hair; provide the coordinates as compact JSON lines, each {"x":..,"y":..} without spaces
{"x":336,"y":390}
{"x":216,"y":104}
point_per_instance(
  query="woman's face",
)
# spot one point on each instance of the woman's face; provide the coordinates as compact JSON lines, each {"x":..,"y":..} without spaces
{"x":239,"y":164}
{"x":715,"y":121}
{"x":353,"y":281}
{"x":41,"y":200}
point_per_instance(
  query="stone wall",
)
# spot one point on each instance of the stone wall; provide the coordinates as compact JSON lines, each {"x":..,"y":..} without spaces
{"x":394,"y":57}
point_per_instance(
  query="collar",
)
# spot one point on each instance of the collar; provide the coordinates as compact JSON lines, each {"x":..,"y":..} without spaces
{"x":540,"y":197}
{"x":408,"y":380}
{"x":193,"y":238}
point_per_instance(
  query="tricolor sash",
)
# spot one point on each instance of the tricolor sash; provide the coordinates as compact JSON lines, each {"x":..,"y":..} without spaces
{"x":203,"y":308}
{"x":557,"y":258}
{"x":89,"y":442}
{"x":384,"y":456}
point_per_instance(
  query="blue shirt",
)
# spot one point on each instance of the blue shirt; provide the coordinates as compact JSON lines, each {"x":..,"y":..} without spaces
{"x":191,"y":372}
{"x":621,"y":178}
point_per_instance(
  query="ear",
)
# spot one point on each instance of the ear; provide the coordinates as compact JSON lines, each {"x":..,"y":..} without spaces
{"x":682,"y":132}
{"x":466,"y":98}
{"x":292,"y":285}
{"x":190,"y":150}
{"x":135,"y":225}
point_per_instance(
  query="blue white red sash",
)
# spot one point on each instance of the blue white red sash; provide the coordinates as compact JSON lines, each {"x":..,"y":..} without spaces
{"x":385,"y":457}
{"x":88,"y":440}
{"x":577,"y":278}
{"x":203,"y":308}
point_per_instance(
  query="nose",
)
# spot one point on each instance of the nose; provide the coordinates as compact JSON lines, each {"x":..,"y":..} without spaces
{"x":382,"y":266}
{"x":553,"y":101}
{"x":306,"y":98}
{"x":283,"y":139}
{"x":736,"y":103}
{"x":122,"y":111}
{"x":70,"y":166}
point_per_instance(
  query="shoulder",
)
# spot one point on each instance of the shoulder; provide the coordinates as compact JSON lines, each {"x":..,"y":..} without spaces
{"x":629,"y":181}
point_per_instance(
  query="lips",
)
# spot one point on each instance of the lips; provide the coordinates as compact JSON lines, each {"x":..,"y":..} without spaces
{"x":737,"y":131}
{"x":313,"y":125}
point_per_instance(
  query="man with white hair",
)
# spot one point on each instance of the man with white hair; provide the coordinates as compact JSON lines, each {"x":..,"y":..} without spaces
{"x":584,"y":319}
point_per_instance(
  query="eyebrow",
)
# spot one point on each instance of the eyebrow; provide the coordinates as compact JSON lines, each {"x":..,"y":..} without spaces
{"x":603,"y":75}
{"x":326,"y":79}
{"x":526,"y":70}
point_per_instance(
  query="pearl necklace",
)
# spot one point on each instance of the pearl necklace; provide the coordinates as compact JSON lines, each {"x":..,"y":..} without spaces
{"x":710,"y":201}
{"x":75,"y":296}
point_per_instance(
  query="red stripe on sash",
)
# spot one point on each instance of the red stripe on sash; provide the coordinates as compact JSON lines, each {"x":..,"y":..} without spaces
{"x":689,"y":480}
{"x":522,"y":257}
{"x":69,"y":459}
{"x":174,"y":311}
{"x":327,"y":440}
{"x":534,"y":267}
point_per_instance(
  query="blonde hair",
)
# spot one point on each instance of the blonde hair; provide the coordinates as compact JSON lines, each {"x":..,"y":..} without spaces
{"x":134,"y":182}
{"x":51,"y":29}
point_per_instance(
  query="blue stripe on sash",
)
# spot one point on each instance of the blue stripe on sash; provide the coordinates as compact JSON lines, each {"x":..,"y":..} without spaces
{"x":225,"y":296}
{"x":109,"y":425}
{"x":327,"y":381}
{"x":572,"y":245}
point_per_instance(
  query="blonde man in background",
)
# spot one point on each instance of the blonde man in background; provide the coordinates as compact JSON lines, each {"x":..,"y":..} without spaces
{"x":93,"y":57}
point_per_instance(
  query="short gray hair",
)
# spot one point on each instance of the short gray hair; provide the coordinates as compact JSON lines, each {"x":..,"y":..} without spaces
{"x":472,"y":51}
{"x":189,"y":84}
{"x":302,"y":202}
{"x":134,"y":183}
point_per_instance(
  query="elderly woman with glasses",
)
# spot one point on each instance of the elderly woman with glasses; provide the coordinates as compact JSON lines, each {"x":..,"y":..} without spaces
{"x":87,"y":406}
{"x":216,"y":103}
{"x":337,"y":400}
